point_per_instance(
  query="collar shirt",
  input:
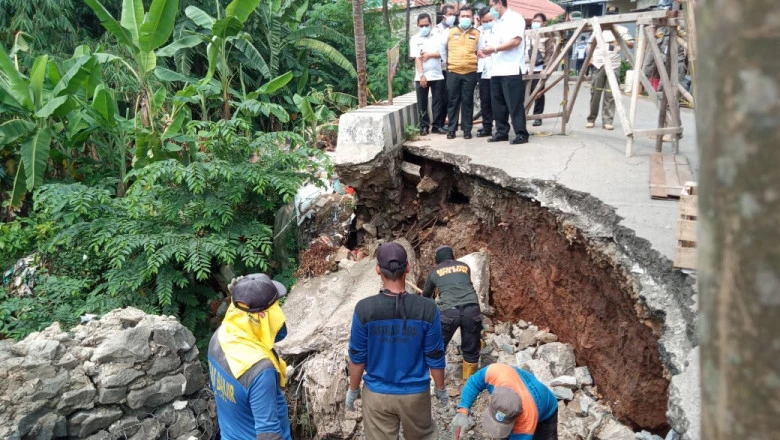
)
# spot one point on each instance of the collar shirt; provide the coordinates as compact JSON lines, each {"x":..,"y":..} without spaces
{"x":441,"y":31}
{"x":613,"y":48}
{"x":431,"y":67}
{"x":509,"y":62}
{"x":460,"y":50}
{"x":483,"y":64}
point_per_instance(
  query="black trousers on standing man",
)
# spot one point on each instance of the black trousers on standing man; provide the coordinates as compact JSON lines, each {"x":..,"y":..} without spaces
{"x":539,"y":103}
{"x":437,"y":105}
{"x":485,"y":103}
{"x":444,"y":102}
{"x":460,"y":88}
{"x":468,"y":319}
{"x":508,"y":99}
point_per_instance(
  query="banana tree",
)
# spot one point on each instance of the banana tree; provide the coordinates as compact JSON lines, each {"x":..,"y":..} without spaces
{"x":222,"y":35}
{"x":38,"y":107}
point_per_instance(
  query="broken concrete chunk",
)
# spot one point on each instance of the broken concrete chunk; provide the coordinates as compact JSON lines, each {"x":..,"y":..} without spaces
{"x":479,"y":263}
{"x":559,"y":356}
{"x":540,"y":369}
{"x":562,"y":393}
{"x":543,"y":337}
{"x":612,"y":430}
{"x":644,"y":435}
{"x":87,"y":422}
{"x":569,"y":382}
{"x":130,"y":345}
{"x":583,"y":376}
{"x":525,"y":339}
{"x":581,"y":404}
{"x":427,"y":185}
{"x":521,"y":357}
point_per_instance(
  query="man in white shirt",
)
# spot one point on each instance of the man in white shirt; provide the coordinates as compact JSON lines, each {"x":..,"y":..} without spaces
{"x":506,"y":80}
{"x":606,"y":58}
{"x":424,"y":48}
{"x":483,"y":68}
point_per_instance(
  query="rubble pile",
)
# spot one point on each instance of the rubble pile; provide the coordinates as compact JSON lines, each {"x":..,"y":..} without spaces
{"x":582,"y":413}
{"x":128,"y":375}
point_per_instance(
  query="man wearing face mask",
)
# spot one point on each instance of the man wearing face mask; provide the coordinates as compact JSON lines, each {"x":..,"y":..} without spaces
{"x":245,"y":373}
{"x":543,"y":58}
{"x":460,"y":51}
{"x":441,"y":30}
{"x":424,"y":48}
{"x":483,"y":68}
{"x":506,"y":81}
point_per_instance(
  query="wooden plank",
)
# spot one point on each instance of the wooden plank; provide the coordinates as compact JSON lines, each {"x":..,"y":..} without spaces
{"x":686,"y":230}
{"x":684,"y":173}
{"x":634,"y":91}
{"x":544,"y":116}
{"x":565,"y":93}
{"x":670,"y":174}
{"x":684,"y":258}
{"x":689,"y":206}
{"x":536,"y":96}
{"x":657,"y":176}
{"x":657,"y":131}
{"x":674,"y":102}
{"x":532,"y":63}
{"x":612,"y":79}
{"x":648,"y":17}
{"x":690,"y":22}
{"x":663,"y":71}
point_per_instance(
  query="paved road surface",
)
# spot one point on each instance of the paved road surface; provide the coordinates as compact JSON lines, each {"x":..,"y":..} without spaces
{"x":589,"y":160}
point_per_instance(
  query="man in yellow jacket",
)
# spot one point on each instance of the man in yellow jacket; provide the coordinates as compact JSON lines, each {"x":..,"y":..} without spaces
{"x":459,"y":49}
{"x":246,"y":375}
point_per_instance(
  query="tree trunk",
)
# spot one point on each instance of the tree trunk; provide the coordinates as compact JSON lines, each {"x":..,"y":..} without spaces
{"x":360,"y":52}
{"x":738,"y":127}
{"x":386,"y":13}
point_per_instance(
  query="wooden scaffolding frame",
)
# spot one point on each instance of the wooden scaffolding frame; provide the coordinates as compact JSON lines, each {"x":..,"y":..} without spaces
{"x":646,"y":24}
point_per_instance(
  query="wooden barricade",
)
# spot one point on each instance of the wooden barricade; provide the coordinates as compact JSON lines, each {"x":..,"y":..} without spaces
{"x":669,"y":122}
{"x":685,"y":253}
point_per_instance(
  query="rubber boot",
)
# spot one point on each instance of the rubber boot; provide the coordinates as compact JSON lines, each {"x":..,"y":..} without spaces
{"x":468,"y":370}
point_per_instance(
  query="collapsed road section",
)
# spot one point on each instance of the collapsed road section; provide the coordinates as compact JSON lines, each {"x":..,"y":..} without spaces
{"x":558,"y":258}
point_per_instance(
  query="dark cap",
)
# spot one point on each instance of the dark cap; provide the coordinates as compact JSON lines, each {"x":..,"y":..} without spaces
{"x":444,"y":253}
{"x":501,"y":412}
{"x":391,"y":257}
{"x":257,"y":291}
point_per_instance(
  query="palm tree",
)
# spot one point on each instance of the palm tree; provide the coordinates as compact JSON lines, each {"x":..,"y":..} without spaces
{"x":360,"y":52}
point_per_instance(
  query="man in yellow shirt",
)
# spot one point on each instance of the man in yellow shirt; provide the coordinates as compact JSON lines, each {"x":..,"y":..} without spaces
{"x":459,"y":49}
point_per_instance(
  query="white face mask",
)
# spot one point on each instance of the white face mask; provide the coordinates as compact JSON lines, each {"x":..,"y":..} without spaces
{"x":450,"y":20}
{"x":425,"y":31}
{"x":536,"y":25}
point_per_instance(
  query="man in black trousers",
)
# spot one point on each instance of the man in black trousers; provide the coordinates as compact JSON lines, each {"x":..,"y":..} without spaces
{"x":424,"y":48}
{"x":506,"y":81}
{"x":460,"y":51}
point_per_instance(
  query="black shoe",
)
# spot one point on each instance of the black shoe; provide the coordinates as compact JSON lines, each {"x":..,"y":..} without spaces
{"x":467,"y":135}
{"x":451,"y":135}
{"x":537,"y":122}
{"x":497,"y":138}
{"x":484,"y":133}
{"x":424,"y":132}
{"x":519,"y":140}
{"x":439,"y":130}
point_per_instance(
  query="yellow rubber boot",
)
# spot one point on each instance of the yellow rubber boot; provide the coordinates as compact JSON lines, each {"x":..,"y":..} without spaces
{"x":468,"y":370}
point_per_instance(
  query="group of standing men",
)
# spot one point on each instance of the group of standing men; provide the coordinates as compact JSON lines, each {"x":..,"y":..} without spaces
{"x":451,"y":59}
{"x":397,"y":345}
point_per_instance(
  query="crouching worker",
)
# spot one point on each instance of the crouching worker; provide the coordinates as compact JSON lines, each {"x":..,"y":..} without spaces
{"x":458,"y":304}
{"x":396,"y":341}
{"x":246,"y":375}
{"x":520,"y":408}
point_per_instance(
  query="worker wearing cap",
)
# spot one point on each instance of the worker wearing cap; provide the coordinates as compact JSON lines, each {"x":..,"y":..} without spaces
{"x":396,"y":340}
{"x":245,"y":373}
{"x":520,"y":407}
{"x":458,"y":304}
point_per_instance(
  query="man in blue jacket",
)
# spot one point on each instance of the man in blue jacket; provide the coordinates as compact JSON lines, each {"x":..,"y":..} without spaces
{"x":246,"y":375}
{"x":396,"y":340}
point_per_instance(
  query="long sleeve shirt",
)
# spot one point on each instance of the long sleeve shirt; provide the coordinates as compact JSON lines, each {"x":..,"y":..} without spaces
{"x":398,"y":338}
{"x":538,"y":402}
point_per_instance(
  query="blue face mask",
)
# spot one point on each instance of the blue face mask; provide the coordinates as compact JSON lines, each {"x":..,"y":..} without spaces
{"x":536,"y":25}
{"x":494,"y":13}
{"x":425,"y":31}
{"x":464,"y":23}
{"x":487,"y":26}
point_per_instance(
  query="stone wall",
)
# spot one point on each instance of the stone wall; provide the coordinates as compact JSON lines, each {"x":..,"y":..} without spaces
{"x":128,"y":375}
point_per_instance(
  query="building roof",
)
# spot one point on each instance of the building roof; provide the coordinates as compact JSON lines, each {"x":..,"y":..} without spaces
{"x":530,"y":7}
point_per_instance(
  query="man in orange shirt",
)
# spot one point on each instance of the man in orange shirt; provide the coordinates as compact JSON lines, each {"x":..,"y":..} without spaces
{"x":520,"y":408}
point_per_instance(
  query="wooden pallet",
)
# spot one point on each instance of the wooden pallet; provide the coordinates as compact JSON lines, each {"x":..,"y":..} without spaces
{"x":685,"y":252}
{"x":668,"y":172}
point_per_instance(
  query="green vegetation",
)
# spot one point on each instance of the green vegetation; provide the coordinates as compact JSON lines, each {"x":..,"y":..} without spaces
{"x":146,"y":144}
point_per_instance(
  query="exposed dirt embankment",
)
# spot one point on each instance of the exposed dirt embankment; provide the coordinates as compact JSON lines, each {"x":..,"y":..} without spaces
{"x":545,"y":271}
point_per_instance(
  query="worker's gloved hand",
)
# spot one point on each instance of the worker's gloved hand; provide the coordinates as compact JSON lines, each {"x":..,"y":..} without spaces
{"x":352,"y":396}
{"x":461,"y":421}
{"x":442,"y":395}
